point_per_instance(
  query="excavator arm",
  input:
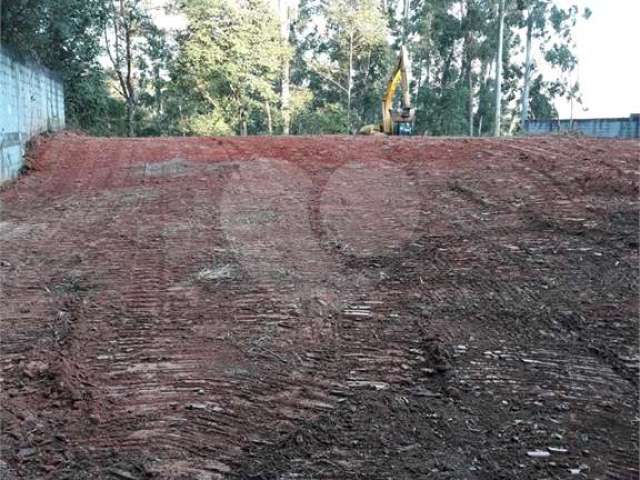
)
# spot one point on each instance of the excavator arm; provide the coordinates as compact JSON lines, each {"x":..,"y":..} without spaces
{"x":395,"y":122}
{"x":399,"y":76}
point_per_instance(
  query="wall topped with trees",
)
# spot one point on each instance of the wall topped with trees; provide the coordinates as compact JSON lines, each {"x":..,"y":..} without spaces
{"x":31,"y":102}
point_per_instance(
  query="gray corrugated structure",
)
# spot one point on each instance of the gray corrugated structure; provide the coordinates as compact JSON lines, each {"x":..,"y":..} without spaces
{"x":628,"y":127}
{"x":31,"y":101}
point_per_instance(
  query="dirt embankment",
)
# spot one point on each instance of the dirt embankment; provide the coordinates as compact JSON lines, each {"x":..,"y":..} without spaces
{"x":321,"y":307}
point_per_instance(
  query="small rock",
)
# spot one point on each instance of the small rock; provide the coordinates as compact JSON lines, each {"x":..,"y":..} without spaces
{"x":538,"y":453}
{"x":26,"y":452}
{"x":368,"y":384}
{"x":424,"y":392}
{"x":218,"y":466}
{"x":557,"y":450}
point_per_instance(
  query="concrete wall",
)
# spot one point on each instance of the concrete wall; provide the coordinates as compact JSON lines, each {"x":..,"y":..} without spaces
{"x":31,"y":101}
{"x":597,"y":127}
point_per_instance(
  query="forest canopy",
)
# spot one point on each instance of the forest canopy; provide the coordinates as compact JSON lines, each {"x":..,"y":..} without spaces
{"x":285,"y":67}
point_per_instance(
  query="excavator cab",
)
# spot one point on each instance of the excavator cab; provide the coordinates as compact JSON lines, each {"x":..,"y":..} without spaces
{"x":401,"y":121}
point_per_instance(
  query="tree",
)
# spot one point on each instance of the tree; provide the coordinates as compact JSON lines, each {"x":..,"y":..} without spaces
{"x":284,"y":10}
{"x":347,"y":52}
{"x":527,"y":66}
{"x":64,"y":35}
{"x":250,"y":66}
{"x":451,"y":37}
{"x":230,"y":59}
{"x":129,"y":34}
{"x":545,"y":22}
{"x":499,"y":60}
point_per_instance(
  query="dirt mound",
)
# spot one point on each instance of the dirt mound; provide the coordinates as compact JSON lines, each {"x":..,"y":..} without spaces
{"x":321,"y":307}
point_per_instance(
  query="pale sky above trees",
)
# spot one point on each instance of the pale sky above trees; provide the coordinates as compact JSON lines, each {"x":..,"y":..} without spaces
{"x":608,"y":68}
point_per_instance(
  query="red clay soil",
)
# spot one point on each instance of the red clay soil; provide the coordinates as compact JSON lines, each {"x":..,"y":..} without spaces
{"x":321,"y":308}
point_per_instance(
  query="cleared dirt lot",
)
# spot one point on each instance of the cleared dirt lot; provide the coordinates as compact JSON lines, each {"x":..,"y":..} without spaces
{"x":321,"y":308}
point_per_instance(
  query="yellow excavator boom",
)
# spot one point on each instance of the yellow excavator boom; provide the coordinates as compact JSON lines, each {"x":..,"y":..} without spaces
{"x":395,"y":122}
{"x":399,"y":75}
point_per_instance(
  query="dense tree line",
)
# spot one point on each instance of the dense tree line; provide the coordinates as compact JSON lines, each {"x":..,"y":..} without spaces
{"x":299,"y":67}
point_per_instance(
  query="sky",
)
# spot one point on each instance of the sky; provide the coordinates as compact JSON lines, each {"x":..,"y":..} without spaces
{"x":609,"y":59}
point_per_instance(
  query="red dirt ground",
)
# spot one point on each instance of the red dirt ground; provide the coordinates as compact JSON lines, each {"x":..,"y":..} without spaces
{"x":321,"y":308}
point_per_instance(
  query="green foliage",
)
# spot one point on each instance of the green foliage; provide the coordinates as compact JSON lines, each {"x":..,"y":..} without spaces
{"x":454,"y":60}
{"x":137,"y":51}
{"x":541,"y":105}
{"x":64,"y":35}
{"x":229,"y":59}
{"x":223,"y":72}
{"x":212,"y":123}
{"x":344,"y":60}
{"x":360,"y":23}
{"x":327,"y":119}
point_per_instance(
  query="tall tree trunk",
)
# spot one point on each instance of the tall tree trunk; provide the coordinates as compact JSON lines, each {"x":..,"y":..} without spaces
{"x":427,"y":39}
{"x":486,"y":64}
{"x":121,"y":58}
{"x":130,"y":114}
{"x":446,"y":71}
{"x":183,"y":131}
{"x":467,"y":75}
{"x":470,"y":80}
{"x":131,"y":93}
{"x":267,"y":108}
{"x":499,"y":69}
{"x":158,"y":90}
{"x":405,"y":21}
{"x":571,"y":113}
{"x":418,"y":80}
{"x":405,"y":40}
{"x":469,"y":51}
{"x":350,"y":80}
{"x":527,"y":75}
{"x":243,"y":123}
{"x":483,"y":71}
{"x":285,"y":91}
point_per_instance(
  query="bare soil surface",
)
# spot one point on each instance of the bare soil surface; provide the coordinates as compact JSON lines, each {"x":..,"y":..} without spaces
{"x":321,"y":308}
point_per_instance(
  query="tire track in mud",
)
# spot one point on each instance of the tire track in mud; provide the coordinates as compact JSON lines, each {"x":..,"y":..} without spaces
{"x":181,"y":362}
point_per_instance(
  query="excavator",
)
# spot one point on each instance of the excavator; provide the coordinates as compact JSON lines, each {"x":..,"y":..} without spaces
{"x":396,"y":122}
